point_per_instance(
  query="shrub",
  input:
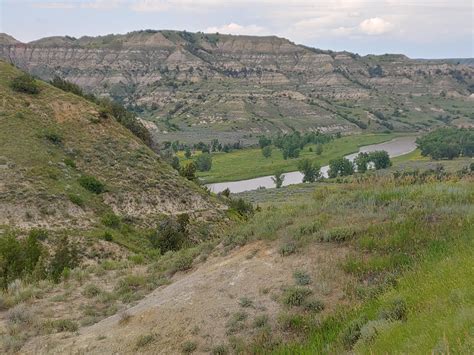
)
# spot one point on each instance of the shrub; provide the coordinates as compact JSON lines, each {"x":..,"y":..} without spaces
{"x":189,"y":171}
{"x":38,"y":233}
{"x":111,"y":220}
{"x":54,"y":137}
{"x":302,"y":278}
{"x":91,"y":184}
{"x":245,"y":302}
{"x":182,"y":262}
{"x":76,"y":199}
{"x":338,"y":234}
{"x":19,"y":258}
{"x":66,"y":86}
{"x":243,"y":208}
{"x":295,"y":296}
{"x":188,"y":347}
{"x":64,"y":325}
{"x":91,"y":291}
{"x":225,"y":193}
{"x":219,"y":350}
{"x":370,"y":330}
{"x":292,"y":322}
{"x":69,"y":162}
{"x":351,"y":333}
{"x":287,"y":249}
{"x":25,"y":83}
{"x":396,"y":310}
{"x":236,"y":322}
{"x":107,"y":236}
{"x":20,"y":314}
{"x":66,"y":257}
{"x":170,"y":235}
{"x":144,"y":340}
{"x":260,"y":321}
{"x":314,"y":306}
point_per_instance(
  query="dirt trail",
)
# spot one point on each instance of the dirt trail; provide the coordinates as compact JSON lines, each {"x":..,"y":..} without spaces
{"x":198,"y":305}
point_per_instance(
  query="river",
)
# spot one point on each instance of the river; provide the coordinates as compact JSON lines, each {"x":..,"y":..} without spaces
{"x":395,"y":147}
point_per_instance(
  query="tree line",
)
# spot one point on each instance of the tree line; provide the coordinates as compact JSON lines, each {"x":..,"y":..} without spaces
{"x":339,"y":167}
{"x":447,"y":143}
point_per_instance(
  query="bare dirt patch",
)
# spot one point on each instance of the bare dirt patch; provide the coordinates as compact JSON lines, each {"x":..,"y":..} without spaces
{"x":220,"y":299}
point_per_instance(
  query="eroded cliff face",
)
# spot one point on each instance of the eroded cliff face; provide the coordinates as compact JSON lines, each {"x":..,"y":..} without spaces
{"x":199,"y":83}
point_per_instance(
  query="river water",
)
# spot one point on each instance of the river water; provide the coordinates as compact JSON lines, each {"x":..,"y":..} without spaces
{"x":395,"y":147}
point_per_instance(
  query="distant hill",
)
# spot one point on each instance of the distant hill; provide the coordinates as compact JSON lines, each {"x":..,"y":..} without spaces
{"x":459,"y":61}
{"x":196,"y":86}
{"x":56,"y":149}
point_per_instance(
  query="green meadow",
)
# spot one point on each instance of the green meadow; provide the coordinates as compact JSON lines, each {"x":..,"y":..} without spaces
{"x":250,"y":163}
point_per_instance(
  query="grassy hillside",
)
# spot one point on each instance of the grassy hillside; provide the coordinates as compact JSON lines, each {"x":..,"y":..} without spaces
{"x":411,"y":258}
{"x":52,"y":141}
{"x":84,"y":205}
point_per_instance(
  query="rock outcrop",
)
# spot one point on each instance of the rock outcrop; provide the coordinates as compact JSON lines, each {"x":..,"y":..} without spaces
{"x":192,"y":84}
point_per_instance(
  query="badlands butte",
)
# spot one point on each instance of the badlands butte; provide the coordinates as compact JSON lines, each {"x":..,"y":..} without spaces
{"x":196,"y":86}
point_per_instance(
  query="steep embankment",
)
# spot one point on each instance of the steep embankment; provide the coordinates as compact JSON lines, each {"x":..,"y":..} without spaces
{"x":65,"y":164}
{"x":194,"y":85}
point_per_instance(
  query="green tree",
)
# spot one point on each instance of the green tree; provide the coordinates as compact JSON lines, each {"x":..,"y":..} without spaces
{"x":310,"y":171}
{"x":175,"y":163}
{"x":187,"y":152}
{"x":204,"y":162}
{"x":447,"y":143}
{"x":319,"y":149}
{"x":267,"y":151}
{"x":278,"y":179}
{"x":340,"y":167}
{"x":380,"y":158}
{"x":264,"y":141}
{"x":361,"y":162}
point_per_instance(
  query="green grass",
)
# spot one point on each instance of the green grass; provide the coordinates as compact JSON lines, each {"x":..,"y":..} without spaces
{"x":410,"y":243}
{"x":440,"y":299}
{"x":250,"y":163}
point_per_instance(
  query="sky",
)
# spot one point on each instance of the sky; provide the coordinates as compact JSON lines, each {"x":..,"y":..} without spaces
{"x":417,"y":28}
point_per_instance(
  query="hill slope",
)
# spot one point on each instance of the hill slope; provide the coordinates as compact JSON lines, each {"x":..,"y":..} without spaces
{"x":197,"y":86}
{"x":54,"y":143}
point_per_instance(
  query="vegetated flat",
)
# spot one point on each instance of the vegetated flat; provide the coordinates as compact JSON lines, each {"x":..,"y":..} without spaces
{"x":250,"y":163}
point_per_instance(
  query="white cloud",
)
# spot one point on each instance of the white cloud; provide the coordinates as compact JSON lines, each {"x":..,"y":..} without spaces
{"x":101,"y":4}
{"x":150,"y":6}
{"x":236,"y":29}
{"x":375,"y":26}
{"x":54,"y":5}
{"x":91,"y":4}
